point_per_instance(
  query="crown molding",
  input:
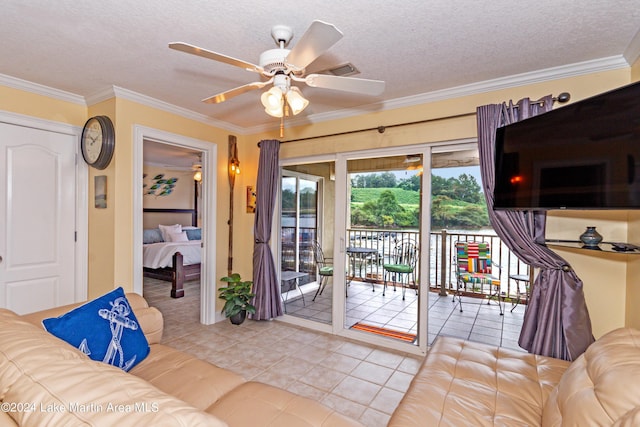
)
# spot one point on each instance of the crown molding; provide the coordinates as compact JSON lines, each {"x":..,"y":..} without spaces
{"x":548,"y":74}
{"x":118,"y":92}
{"x":632,"y":52}
{"x":516,"y":80}
{"x":38,"y":89}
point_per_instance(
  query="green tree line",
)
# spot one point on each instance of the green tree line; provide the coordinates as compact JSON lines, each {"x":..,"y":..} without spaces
{"x":382,"y":201}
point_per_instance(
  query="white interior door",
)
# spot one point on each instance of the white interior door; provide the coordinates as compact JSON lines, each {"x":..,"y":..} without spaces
{"x":37,"y":218}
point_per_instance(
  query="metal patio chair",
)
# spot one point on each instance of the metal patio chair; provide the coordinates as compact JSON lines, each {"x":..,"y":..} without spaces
{"x":402,"y":266}
{"x":325,"y":267}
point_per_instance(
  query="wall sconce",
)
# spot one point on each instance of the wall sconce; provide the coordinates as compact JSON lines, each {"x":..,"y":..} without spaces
{"x":234,"y":166}
{"x":196,"y":167}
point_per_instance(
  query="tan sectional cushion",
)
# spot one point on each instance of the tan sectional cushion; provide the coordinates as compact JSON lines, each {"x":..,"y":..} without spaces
{"x":186,"y":377}
{"x":64,"y":387}
{"x":462,"y":383}
{"x":6,"y":420}
{"x":602,"y":386}
{"x":274,"y":407}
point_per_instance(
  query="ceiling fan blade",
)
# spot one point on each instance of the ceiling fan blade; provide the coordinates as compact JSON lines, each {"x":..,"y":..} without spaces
{"x":348,"y":84}
{"x":318,"y":38}
{"x":224,"y":96}
{"x":195,"y":50}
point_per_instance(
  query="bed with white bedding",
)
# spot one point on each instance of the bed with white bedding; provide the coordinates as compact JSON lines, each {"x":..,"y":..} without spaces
{"x":160,"y":255}
{"x":172,"y":261}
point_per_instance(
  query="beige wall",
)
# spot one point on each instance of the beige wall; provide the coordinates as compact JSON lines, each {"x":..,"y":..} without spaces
{"x":604,"y":274}
{"x":102,"y":257}
{"x":128,"y":114}
{"x":608,"y":305}
{"x":182,"y":197}
{"x":110,"y":230}
{"x":635,"y":71}
{"x":42,"y":107}
{"x":609,"y":288}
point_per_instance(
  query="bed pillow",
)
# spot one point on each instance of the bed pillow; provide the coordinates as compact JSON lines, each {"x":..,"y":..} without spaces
{"x":194,"y":234}
{"x":152,"y":235}
{"x":166,"y":229}
{"x":105,"y":329}
{"x":178,"y":237}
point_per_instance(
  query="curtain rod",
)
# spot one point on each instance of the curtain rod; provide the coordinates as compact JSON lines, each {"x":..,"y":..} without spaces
{"x":562,"y":98}
{"x":381,"y":129}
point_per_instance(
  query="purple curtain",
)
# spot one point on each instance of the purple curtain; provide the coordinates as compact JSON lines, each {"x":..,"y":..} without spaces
{"x":556,"y":322}
{"x":265,"y":280}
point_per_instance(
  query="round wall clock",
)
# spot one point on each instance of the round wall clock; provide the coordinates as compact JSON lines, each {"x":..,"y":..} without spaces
{"x":98,"y":141}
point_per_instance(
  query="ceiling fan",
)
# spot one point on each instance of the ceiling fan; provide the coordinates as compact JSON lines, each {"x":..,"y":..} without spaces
{"x":283,"y":66}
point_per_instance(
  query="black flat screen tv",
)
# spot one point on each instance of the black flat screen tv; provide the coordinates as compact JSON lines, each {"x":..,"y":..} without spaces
{"x":585,"y":155}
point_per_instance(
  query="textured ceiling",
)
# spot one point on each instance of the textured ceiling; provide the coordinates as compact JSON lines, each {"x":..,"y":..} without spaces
{"x":417,"y":46}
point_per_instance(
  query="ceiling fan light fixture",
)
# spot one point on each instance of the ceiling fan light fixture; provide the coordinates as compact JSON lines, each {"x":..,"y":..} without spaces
{"x":273,"y":101}
{"x":272,"y":98}
{"x":296,"y":101}
{"x":274,"y":112}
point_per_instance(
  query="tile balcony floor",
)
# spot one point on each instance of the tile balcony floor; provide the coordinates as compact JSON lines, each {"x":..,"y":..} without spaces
{"x":360,"y":380}
{"x":479,"y":321}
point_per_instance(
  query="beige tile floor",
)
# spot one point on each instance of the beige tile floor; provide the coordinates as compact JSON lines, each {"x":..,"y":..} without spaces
{"x":359,"y":380}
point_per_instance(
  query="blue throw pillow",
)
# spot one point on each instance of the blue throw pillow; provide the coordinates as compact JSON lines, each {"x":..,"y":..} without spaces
{"x":105,"y":329}
{"x":194,"y":233}
{"x":151,"y":235}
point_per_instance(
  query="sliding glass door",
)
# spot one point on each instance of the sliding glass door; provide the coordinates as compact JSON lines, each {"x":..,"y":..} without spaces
{"x":355,"y":249}
{"x":306,"y":241}
{"x":380,"y":244}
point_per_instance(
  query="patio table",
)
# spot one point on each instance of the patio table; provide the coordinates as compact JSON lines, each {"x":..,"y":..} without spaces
{"x":289,"y":281}
{"x":358,"y":253}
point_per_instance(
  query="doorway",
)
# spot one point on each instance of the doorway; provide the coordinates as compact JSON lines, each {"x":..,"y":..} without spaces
{"x":306,"y":242}
{"x":382,"y":238}
{"x":172,"y":197}
{"x":353,"y":291}
{"x":207,"y":190}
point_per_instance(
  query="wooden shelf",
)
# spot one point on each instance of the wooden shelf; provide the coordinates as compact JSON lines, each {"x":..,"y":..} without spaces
{"x":612,"y":247}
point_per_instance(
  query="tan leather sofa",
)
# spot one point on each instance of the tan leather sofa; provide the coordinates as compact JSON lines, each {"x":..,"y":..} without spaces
{"x":44,"y":381}
{"x":462,"y":383}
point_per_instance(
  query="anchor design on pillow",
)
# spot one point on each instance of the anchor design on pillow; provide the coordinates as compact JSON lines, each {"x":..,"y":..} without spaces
{"x":118,"y":321}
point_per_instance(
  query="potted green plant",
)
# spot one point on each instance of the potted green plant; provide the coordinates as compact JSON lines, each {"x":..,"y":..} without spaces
{"x":237,"y":295}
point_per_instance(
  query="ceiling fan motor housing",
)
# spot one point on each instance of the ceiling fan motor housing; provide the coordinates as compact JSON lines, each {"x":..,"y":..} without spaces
{"x":273,"y":60}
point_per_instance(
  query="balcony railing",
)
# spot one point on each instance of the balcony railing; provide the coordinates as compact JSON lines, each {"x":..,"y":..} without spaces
{"x":442,"y":256}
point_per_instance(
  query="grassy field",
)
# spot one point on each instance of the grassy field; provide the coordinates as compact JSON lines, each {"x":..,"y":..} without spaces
{"x":360,"y":196}
{"x":407,"y":199}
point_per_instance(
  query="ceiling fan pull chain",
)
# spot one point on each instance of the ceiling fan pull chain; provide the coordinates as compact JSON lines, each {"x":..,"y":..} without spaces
{"x":282,"y":126}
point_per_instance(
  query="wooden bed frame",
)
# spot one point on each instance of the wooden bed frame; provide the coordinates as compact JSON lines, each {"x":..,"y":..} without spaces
{"x":179,"y":273}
